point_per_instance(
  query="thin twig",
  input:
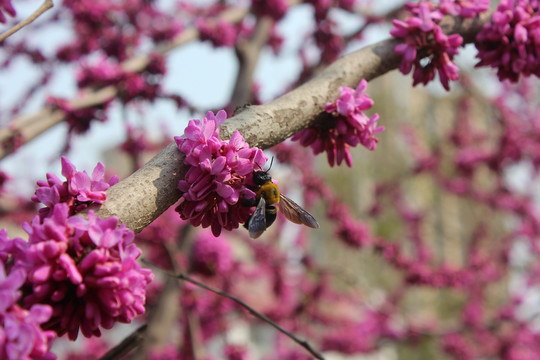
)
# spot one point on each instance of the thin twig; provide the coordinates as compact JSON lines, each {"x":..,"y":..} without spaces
{"x":253,"y":312}
{"x":127,"y":345}
{"x":47,"y":4}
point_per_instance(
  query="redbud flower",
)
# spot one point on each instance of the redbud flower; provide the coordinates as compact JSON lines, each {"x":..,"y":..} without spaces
{"x":86,"y":270}
{"x":12,"y":251}
{"x":511,"y":41}
{"x":6,"y":7}
{"x":79,"y":120}
{"x":131,"y":85}
{"x":211,"y":255}
{"x":169,"y":352}
{"x":458,"y":347}
{"x":214,"y":185}
{"x":321,"y":7}
{"x":328,"y":41}
{"x":221,"y":34}
{"x":91,"y":349}
{"x":426,"y":48}
{"x":235,"y":352}
{"x":21,"y":337}
{"x":348,"y":126}
{"x":275,"y":9}
{"x":78,"y":191}
{"x":464,"y":8}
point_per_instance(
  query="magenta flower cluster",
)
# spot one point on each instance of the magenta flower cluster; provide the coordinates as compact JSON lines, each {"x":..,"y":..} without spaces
{"x":116,"y":29}
{"x":222,"y":33}
{"x":79,"y":120}
{"x":348,"y":126}
{"x":130,"y":85}
{"x":7,"y":8}
{"x":21,"y":337}
{"x":464,"y":8}
{"x":275,"y":9}
{"x":78,"y":191}
{"x":425,"y":48}
{"x":86,"y":270}
{"x":211,"y":255}
{"x":214,"y":185}
{"x":510,"y":43}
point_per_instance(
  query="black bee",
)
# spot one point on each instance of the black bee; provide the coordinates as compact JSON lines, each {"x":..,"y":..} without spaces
{"x":267,"y":194}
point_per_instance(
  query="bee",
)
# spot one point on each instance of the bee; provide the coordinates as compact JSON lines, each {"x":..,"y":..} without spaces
{"x":267,"y":195}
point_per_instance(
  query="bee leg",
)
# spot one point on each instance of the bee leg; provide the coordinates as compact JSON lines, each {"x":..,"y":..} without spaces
{"x":249,"y":202}
{"x":246,"y":224}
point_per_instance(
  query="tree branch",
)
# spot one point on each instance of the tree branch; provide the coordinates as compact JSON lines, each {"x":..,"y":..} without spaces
{"x":127,"y":345}
{"x":29,"y":126}
{"x":253,"y":312}
{"x":147,"y":193}
{"x":47,"y":4}
{"x":248,"y":53}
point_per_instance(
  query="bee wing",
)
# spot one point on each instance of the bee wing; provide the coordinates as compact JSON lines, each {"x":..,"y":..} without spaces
{"x":257,"y":222}
{"x":296,"y":213}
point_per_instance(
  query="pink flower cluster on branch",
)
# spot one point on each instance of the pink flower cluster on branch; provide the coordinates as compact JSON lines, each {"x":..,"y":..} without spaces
{"x":83,"y":270}
{"x":345,"y":125}
{"x":214,"y":186}
{"x":117,"y":29}
{"x":131,"y":85}
{"x":219,"y":34}
{"x":425,"y":47}
{"x":79,"y":120}
{"x":78,"y":191}
{"x":211,"y":255}
{"x":510,"y":43}
{"x":21,"y":335}
{"x":86,"y":270}
{"x":6,"y":8}
{"x":275,"y":9}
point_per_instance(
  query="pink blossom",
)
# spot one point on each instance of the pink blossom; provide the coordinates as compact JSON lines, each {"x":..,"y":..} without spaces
{"x":464,"y":8}
{"x":321,"y":7}
{"x":12,"y":251}
{"x":169,"y":352}
{"x":511,"y":41}
{"x":78,"y":191}
{"x":21,"y":337}
{"x":329,"y":41}
{"x":86,"y":270}
{"x":211,"y":255}
{"x":214,"y":185}
{"x":79,"y":120}
{"x":458,"y":347}
{"x":221,"y":34}
{"x":6,"y":7}
{"x":347,"y":126}
{"x":426,"y":49}
{"x":275,"y":9}
{"x":357,"y":337}
{"x":235,"y":352}
{"x":130,"y":85}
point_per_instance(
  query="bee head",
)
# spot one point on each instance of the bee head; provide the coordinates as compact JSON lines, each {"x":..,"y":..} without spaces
{"x":261,"y":177}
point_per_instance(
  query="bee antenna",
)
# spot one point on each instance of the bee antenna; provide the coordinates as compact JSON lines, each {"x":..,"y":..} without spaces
{"x":271,"y":163}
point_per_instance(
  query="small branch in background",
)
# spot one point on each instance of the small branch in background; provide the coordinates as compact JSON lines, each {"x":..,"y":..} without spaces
{"x":253,"y":312}
{"x":29,"y":126}
{"x":248,"y":53}
{"x":47,"y":4}
{"x":127,"y":345}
